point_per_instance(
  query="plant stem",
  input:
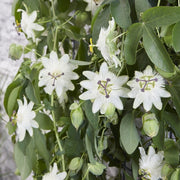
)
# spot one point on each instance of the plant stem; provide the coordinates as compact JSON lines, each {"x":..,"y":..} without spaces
{"x":55,"y":38}
{"x":54,"y":15}
{"x":87,"y":171}
{"x":33,"y":51}
{"x":159,"y":2}
{"x":179,"y":3}
{"x":56,"y":133}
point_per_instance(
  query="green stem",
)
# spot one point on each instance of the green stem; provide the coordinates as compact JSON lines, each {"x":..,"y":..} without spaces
{"x":178,"y":2}
{"x":56,"y":133}
{"x":119,"y":36}
{"x":54,"y":15}
{"x":55,"y":39}
{"x":87,"y":172}
{"x":33,"y":51}
{"x":159,"y":2}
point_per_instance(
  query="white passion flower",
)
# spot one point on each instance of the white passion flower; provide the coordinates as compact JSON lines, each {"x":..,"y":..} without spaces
{"x":104,"y":89}
{"x":92,"y":5}
{"x":147,"y":88}
{"x":57,"y":75}
{"x":54,"y":175}
{"x":150,"y":165}
{"x":107,"y":44}
{"x":27,"y":24}
{"x":25,"y":119}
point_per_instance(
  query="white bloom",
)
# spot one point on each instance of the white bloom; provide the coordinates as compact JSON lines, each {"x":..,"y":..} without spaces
{"x":107,"y":44}
{"x":53,"y":174}
{"x":104,"y":88}
{"x":57,"y":75}
{"x":150,"y":164}
{"x":27,"y":24}
{"x":25,"y":119}
{"x":147,"y":88}
{"x":92,"y":5}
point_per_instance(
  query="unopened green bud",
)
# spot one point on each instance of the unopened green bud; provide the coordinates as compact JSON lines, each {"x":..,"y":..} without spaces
{"x":76,"y":115}
{"x":76,"y":164}
{"x":150,"y":125}
{"x":110,"y":110}
{"x":15,"y":51}
{"x":175,"y":175}
{"x":114,"y":119}
{"x":166,"y":171}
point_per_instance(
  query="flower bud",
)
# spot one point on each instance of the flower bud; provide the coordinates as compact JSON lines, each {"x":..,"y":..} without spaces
{"x":166,"y":171}
{"x":76,"y":115}
{"x":175,"y":175}
{"x":150,"y":124}
{"x":110,"y":110}
{"x":15,"y":51}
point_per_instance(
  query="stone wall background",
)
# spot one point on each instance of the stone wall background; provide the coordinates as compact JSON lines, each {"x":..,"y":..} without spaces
{"x":8,"y":69}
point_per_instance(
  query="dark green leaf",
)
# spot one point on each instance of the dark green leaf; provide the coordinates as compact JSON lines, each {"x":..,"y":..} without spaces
{"x":120,"y":10}
{"x":156,"y":51}
{"x":44,"y":121}
{"x":174,"y":89}
{"x":161,"y":16}
{"x":63,"y":5}
{"x":128,"y":133}
{"x":92,"y":118}
{"x":171,"y":152}
{"x":101,"y":21}
{"x":141,"y":6}
{"x":173,"y":120}
{"x":175,"y":37}
{"x":159,"y":139}
{"x":25,"y":156}
{"x":40,"y":145}
{"x":133,"y":36}
{"x":12,"y":100}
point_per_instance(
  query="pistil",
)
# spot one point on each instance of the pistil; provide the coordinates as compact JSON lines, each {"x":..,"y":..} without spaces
{"x":55,"y":77}
{"x":104,"y":86}
{"x":145,"y":82}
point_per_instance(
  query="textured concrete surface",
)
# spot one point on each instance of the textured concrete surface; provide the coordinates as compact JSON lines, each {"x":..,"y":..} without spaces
{"x":8,"y":69}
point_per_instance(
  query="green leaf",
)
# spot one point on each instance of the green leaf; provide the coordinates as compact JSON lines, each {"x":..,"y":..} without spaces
{"x":173,"y":120}
{"x":156,"y":51}
{"x":175,"y":37}
{"x":141,"y":6}
{"x":171,"y":152}
{"x":92,"y":118}
{"x":12,"y":100}
{"x":44,"y":121}
{"x":96,"y":168}
{"x":63,"y":5}
{"x":101,"y":21}
{"x":40,"y":145}
{"x":128,"y":133}
{"x":174,"y":89}
{"x":31,"y":93}
{"x":175,"y":175}
{"x":80,"y":63}
{"x":161,"y":16}
{"x":25,"y":156}
{"x":120,"y":10}
{"x":13,"y":85}
{"x":133,"y":37}
{"x":159,"y":139}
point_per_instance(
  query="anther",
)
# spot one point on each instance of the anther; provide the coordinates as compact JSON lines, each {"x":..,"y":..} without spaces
{"x":137,"y":80}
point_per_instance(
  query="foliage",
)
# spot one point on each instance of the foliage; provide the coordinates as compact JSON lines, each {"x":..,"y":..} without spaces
{"x":83,"y":143}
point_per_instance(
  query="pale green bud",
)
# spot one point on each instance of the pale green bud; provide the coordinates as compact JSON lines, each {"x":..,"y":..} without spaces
{"x":175,"y":175}
{"x":150,"y":124}
{"x":15,"y":51}
{"x":76,"y":115}
{"x":76,"y":164}
{"x":166,"y":171}
{"x":110,"y":110}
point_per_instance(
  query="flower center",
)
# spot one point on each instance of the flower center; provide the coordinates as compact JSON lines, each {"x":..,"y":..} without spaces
{"x":104,"y":87}
{"x":144,"y":174}
{"x":146,"y":83}
{"x":54,"y":76}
